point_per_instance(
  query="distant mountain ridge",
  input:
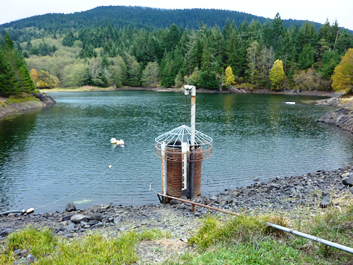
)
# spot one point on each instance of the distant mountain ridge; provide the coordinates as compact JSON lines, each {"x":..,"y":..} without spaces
{"x":139,"y":17}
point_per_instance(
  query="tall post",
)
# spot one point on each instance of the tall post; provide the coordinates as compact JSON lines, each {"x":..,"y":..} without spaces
{"x":164,"y":169}
{"x":187,"y":89}
{"x":193,"y":114}
{"x":184,"y":153}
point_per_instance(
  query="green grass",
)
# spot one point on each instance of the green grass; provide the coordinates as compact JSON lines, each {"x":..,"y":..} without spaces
{"x":248,"y":240}
{"x":267,"y":251}
{"x":93,"y":249}
{"x":240,"y":229}
{"x":21,"y":98}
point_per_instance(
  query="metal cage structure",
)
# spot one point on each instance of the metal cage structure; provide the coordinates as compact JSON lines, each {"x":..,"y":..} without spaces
{"x":174,"y":139}
{"x":182,"y":151}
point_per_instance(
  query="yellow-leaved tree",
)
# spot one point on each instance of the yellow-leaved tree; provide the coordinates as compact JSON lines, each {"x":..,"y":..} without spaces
{"x":343,"y":75}
{"x":229,"y":76}
{"x":34,"y":75}
{"x":277,"y":74}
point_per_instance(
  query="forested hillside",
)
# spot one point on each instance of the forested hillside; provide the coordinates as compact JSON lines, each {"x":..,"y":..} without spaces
{"x":136,"y":17}
{"x":255,"y":54}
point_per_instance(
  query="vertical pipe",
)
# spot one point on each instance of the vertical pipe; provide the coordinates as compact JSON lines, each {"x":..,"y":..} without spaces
{"x":190,"y":183}
{"x":164,"y":168}
{"x":192,"y":147}
{"x":193,"y":115}
{"x":184,"y":153}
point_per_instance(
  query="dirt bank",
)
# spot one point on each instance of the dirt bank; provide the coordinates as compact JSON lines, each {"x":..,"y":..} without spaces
{"x":12,"y":108}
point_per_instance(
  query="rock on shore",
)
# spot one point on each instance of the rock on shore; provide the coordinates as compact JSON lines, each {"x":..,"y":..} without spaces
{"x":342,"y":118}
{"x":6,"y":109}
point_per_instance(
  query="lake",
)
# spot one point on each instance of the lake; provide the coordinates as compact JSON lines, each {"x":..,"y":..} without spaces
{"x":59,"y":154}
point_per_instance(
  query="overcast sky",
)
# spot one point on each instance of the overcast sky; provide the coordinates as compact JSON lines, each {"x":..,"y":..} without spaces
{"x":313,"y":10}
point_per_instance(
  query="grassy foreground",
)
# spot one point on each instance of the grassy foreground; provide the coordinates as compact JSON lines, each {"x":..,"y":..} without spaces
{"x":93,"y":249}
{"x":220,"y":240}
{"x":247,"y":240}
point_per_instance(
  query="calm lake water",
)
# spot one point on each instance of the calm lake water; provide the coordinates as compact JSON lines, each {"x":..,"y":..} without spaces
{"x":59,"y":154}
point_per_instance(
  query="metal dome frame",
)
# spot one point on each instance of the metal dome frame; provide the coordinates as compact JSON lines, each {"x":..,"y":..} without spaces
{"x":182,"y":134}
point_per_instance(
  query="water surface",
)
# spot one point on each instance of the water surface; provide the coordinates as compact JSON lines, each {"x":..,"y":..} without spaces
{"x":59,"y":154}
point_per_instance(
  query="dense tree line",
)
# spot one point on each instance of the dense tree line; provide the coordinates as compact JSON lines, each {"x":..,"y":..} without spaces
{"x":14,"y":74}
{"x":128,"y":56}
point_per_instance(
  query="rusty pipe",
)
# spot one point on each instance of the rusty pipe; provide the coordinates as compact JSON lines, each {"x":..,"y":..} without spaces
{"x":198,"y":204}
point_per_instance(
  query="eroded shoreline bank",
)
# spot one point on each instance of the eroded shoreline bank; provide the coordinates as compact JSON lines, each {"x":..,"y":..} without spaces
{"x":14,"y":108}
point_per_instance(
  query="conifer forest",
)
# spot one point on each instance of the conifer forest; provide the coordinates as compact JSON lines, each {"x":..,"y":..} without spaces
{"x":211,"y":49}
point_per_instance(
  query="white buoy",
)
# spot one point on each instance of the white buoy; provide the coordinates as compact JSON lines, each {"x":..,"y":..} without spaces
{"x":290,"y":103}
{"x":120,"y":142}
{"x":113,"y":141}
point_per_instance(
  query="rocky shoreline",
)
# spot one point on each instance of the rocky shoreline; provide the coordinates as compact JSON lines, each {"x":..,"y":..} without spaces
{"x":8,"y":109}
{"x":316,"y":190}
{"x":341,"y":117}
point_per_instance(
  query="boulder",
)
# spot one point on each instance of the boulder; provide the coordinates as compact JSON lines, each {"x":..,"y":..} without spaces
{"x":174,"y":202}
{"x":93,"y":222}
{"x":6,"y":232}
{"x":326,"y":201}
{"x":66,"y":218}
{"x":70,"y":207}
{"x":96,"y":217}
{"x":31,"y":258}
{"x":348,"y":180}
{"x":226,"y":199}
{"x":79,"y":217}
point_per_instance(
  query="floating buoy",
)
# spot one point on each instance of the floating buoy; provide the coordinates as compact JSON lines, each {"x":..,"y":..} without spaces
{"x":290,"y":103}
{"x":109,"y":166}
{"x":113,"y":141}
{"x":120,"y":142}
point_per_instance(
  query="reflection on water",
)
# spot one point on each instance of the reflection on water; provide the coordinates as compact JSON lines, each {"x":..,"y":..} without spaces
{"x":62,"y":153}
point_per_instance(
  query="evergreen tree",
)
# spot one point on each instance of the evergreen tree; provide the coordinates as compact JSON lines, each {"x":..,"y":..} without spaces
{"x":87,"y":79}
{"x":69,"y":39}
{"x":235,"y":52}
{"x":277,"y":31}
{"x":7,"y":76}
{"x":16,"y":67}
{"x":330,"y":59}
{"x":306,"y":57}
{"x":208,"y":79}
